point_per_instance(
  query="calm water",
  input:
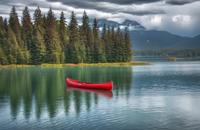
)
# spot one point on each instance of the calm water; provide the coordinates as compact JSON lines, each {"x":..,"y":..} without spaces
{"x":164,"y":95}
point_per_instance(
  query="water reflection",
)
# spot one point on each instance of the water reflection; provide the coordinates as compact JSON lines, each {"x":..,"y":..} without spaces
{"x":104,"y":93}
{"x":36,"y":91}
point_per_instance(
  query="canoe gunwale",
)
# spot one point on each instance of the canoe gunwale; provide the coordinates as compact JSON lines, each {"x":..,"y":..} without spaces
{"x":87,"y":85}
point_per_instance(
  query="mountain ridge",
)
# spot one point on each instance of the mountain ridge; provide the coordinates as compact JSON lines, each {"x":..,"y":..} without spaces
{"x":143,"y":39}
{"x":157,"y":40}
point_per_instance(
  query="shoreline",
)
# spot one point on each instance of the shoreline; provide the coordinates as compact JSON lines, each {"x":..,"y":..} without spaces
{"x":120,"y":64}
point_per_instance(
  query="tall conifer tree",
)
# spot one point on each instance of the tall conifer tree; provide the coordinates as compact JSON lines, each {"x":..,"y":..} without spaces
{"x":98,"y":53}
{"x":63,"y":34}
{"x":38,"y":50}
{"x":52,"y":40}
{"x":3,"y":57}
{"x":27,"y":31}
{"x":76,"y":51}
{"x":108,"y":44}
{"x":127,"y":46}
{"x":14,"y":24}
{"x":86,"y":36}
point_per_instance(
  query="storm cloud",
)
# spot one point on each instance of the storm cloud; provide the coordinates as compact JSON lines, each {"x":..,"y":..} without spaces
{"x":123,"y":2}
{"x":180,"y":17}
{"x":180,"y":2}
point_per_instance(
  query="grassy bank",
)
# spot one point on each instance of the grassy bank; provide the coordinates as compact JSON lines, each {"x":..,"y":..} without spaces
{"x":122,"y":64}
{"x":15,"y":66}
{"x":126,"y":64}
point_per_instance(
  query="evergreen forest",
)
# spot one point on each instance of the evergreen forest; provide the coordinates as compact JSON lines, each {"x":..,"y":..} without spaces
{"x":45,"y":39}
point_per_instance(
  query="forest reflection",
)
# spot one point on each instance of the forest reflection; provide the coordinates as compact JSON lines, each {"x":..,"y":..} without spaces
{"x":37,"y":90}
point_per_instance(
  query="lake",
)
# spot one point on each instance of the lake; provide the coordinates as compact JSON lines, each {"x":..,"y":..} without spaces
{"x":160,"y":96}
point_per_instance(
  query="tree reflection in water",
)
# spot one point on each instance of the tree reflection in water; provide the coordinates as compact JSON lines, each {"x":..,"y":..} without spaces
{"x":38,"y":90}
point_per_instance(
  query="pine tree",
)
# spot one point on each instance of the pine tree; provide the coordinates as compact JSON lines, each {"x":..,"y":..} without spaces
{"x":96,"y":46}
{"x":3,"y":57}
{"x":113,"y":46}
{"x":127,"y":46}
{"x":63,"y":32}
{"x":108,"y":45}
{"x":27,"y":28}
{"x":16,"y":29}
{"x":38,"y":48}
{"x":104,"y":41}
{"x":86,"y":37}
{"x":118,"y":45}
{"x":3,"y":41}
{"x":52,"y":40}
{"x":27,"y":31}
{"x":14,"y":22}
{"x":85,"y":28}
{"x":36,"y":54}
{"x":13,"y":50}
{"x":76,"y":50}
{"x":98,"y":53}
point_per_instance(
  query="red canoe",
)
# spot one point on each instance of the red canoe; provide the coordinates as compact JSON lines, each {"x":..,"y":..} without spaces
{"x":79,"y":84}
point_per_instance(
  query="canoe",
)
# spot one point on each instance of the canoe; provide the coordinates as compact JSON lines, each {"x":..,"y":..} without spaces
{"x":86,"y":85}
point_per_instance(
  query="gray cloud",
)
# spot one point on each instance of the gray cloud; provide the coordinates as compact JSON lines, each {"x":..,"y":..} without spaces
{"x":96,"y":4}
{"x":146,"y":12}
{"x":86,"y":3}
{"x":127,"y":1}
{"x":124,"y":2}
{"x":180,"y":2}
{"x":176,"y":16}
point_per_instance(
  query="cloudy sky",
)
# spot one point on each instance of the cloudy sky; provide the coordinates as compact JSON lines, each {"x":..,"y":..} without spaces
{"x":180,"y":17}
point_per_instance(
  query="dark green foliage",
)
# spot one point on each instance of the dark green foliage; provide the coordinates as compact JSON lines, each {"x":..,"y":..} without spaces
{"x":52,"y":40}
{"x":179,"y":53}
{"x":98,"y":49}
{"x":71,"y":55}
{"x":27,"y":30}
{"x":127,"y":47}
{"x":38,"y":48}
{"x":108,"y":45}
{"x":62,"y":30}
{"x":12,"y":48}
{"x":22,"y":53}
{"x":119,"y":46}
{"x":3,"y":57}
{"x":14,"y":21}
{"x":76,"y":49}
{"x":86,"y":37}
{"x":63,"y":33}
{"x":113,"y":46}
{"x":104,"y":41}
{"x":5,"y":24}
{"x":48,"y":40}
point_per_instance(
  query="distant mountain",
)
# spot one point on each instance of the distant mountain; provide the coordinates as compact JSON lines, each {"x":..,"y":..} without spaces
{"x":155,"y":40}
{"x":133,"y":25}
{"x":143,"y":39}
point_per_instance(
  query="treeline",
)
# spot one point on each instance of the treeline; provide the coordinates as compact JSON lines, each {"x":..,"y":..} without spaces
{"x":46,"y":39}
{"x":180,"y":53}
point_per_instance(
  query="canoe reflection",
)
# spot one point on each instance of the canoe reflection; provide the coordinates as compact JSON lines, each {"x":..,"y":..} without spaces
{"x":105,"y":93}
